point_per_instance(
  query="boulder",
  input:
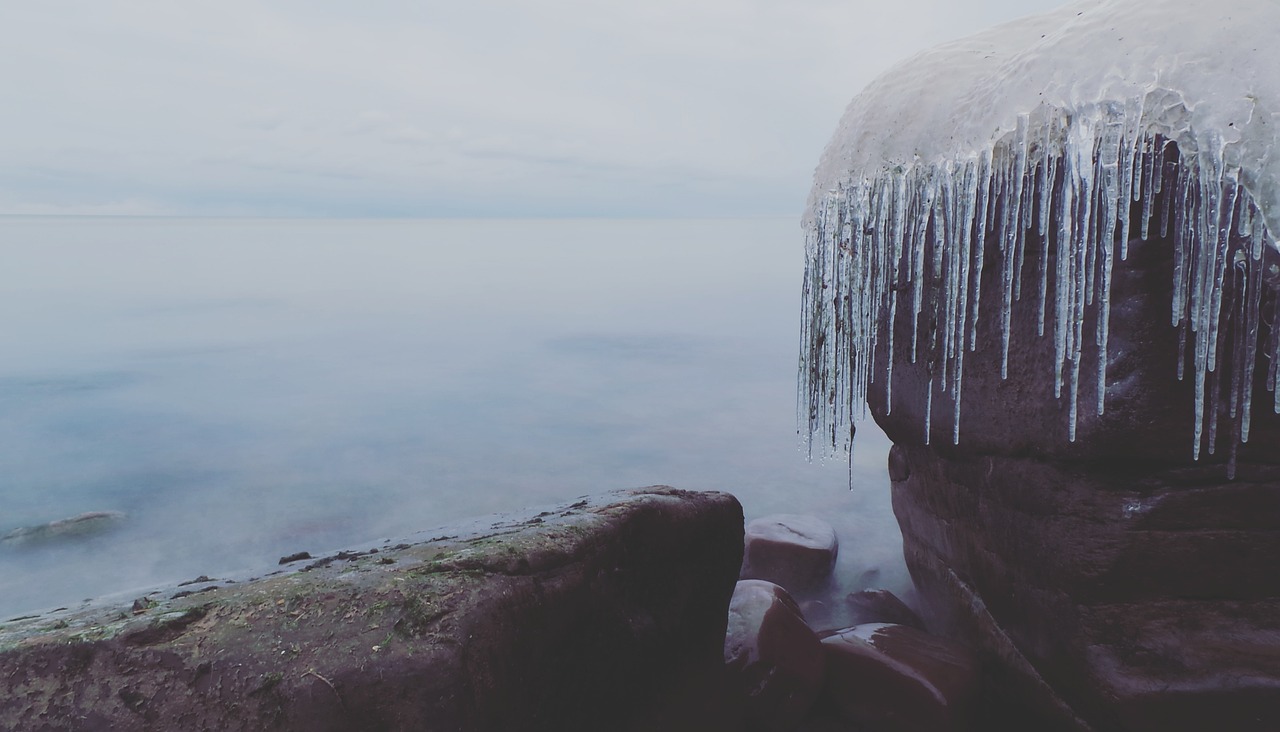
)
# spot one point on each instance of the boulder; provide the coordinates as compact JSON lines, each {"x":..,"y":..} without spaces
{"x":892,"y":678}
{"x":1112,"y":582}
{"x":792,"y":550}
{"x":582,"y":616}
{"x":774,"y":656}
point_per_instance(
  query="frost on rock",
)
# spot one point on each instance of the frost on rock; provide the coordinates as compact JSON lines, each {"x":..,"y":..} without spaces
{"x":1050,"y":127}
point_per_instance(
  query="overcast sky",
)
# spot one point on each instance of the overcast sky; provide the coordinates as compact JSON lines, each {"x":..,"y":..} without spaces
{"x":441,"y":108}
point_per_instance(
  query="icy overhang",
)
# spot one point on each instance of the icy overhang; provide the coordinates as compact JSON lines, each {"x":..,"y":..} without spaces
{"x":1053,"y":127}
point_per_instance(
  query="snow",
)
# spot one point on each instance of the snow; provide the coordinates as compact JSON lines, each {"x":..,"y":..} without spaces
{"x":1050,"y":124}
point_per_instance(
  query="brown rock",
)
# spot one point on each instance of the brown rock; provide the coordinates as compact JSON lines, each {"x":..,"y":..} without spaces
{"x":792,"y":550}
{"x":1110,"y":582}
{"x":773,"y":654}
{"x":899,"y":679}
{"x":577,"y":619}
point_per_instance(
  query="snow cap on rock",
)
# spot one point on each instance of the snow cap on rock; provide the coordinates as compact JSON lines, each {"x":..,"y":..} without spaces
{"x":1204,"y":76}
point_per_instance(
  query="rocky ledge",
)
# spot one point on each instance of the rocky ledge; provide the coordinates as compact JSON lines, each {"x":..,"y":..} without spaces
{"x":608,"y":613}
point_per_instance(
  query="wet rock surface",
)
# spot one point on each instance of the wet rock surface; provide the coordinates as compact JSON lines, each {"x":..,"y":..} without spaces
{"x":899,"y":679}
{"x":795,"y":551}
{"x":608,"y":613}
{"x":772,"y":655}
{"x":880,"y":606}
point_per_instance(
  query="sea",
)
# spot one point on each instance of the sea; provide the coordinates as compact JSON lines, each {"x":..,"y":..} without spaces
{"x":242,"y":389}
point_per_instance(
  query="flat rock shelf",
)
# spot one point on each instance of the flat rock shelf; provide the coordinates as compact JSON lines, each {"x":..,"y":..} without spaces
{"x":607,"y":613}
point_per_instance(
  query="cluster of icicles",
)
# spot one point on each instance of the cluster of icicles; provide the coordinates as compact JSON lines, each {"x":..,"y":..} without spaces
{"x":908,"y":242}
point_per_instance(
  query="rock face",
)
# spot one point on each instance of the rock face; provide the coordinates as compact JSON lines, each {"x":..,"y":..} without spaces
{"x":1112,"y":583}
{"x":581,"y":617}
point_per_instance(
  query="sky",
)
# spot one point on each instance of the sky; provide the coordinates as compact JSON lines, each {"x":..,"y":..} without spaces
{"x":426,"y":108}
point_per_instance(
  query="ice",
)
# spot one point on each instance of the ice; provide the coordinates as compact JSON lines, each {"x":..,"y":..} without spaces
{"x":1055,"y":129}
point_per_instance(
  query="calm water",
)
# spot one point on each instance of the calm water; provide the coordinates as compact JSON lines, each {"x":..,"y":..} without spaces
{"x":243,"y":389}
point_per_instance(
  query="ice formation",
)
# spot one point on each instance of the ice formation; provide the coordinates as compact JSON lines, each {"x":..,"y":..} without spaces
{"x":1049,"y":127}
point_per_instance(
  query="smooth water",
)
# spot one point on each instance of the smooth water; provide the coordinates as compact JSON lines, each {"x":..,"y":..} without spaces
{"x":243,"y":389}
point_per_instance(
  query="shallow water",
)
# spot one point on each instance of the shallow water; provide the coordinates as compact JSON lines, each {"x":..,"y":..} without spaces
{"x":243,"y":389}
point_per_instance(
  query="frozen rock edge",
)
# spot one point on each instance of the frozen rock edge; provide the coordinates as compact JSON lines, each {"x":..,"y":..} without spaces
{"x":1052,"y":127}
{"x":608,"y":613}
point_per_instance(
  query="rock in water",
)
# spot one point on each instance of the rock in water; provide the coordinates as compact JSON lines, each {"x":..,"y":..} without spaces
{"x":899,"y":679}
{"x":91,"y":523}
{"x":792,"y":550}
{"x":774,"y":655}
{"x":579,"y":619}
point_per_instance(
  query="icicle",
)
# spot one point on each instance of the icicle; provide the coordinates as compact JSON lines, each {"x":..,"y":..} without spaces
{"x":1182,"y":350}
{"x":1062,"y":290}
{"x":1239,"y":275}
{"x":1149,"y":176}
{"x":1022,"y":203}
{"x":980,"y":238}
{"x":1255,"y":268}
{"x":1168,"y":193}
{"x":1157,"y":171}
{"x":1131,"y":143}
{"x":928,"y":410}
{"x":1080,"y":254}
{"x":923,"y":215}
{"x":896,"y":236}
{"x":1182,"y":264}
{"x":947,"y":254}
{"x":1012,"y":235}
{"x":1215,"y":394}
{"x":1048,"y":174}
{"x":1222,"y":223}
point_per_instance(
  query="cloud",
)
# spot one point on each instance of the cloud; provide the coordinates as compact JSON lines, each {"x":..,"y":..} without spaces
{"x":562,"y":107}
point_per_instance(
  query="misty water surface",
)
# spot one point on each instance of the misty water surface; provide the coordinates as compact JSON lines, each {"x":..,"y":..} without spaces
{"x":244,"y":389}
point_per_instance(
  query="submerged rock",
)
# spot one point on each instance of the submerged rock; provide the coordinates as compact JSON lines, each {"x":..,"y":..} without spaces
{"x":80,"y":526}
{"x":581,"y":617}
